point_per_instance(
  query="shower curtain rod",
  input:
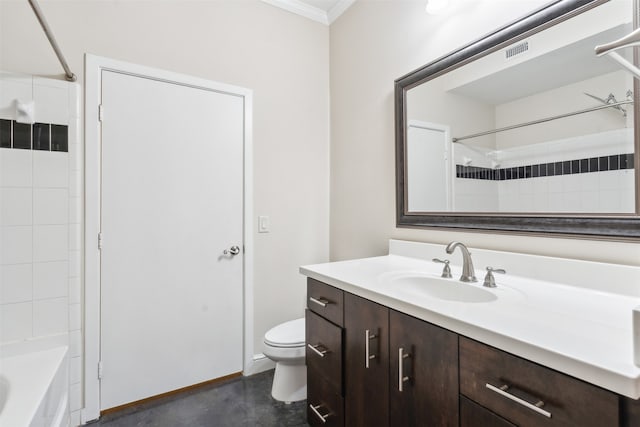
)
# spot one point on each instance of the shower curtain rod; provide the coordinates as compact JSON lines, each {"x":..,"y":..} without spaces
{"x":54,"y":44}
{"x":546,"y":119}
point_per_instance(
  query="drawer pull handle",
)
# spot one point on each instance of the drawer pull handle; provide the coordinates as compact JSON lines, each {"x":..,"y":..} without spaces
{"x":323,"y":418}
{"x":401,"y":377}
{"x":318,"y":352}
{"x":320,"y":301}
{"x":537,"y":407}
{"x":367,"y":357}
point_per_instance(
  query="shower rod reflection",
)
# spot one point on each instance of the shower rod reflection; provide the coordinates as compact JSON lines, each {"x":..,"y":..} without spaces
{"x":54,"y":44}
{"x":546,"y":119}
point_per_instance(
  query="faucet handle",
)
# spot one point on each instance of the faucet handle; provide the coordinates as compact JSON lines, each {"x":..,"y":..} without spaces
{"x":489,"y":280}
{"x":446,"y":271}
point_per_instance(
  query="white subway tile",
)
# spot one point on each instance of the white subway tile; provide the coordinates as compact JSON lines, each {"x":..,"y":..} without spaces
{"x":555,"y":202}
{"x":571,"y":202}
{"x":590,"y":201}
{"x":610,"y":202}
{"x":75,"y":370}
{"x":15,"y":168}
{"x":12,"y":87}
{"x":16,"y":206}
{"x":571,"y":183}
{"x":627,"y":201}
{"x":75,"y":290}
{"x":609,"y":180}
{"x":50,"y":206}
{"x":50,"y":169}
{"x":16,"y":283}
{"x":75,"y":263}
{"x":75,"y":397}
{"x":627,"y":180}
{"x":555,"y":184}
{"x":16,"y":245}
{"x":75,"y":186}
{"x":541,"y":202}
{"x":74,"y":419}
{"x":75,"y":317}
{"x":50,"y":280}
{"x":50,"y":316}
{"x":16,"y":321}
{"x":75,"y":344}
{"x":75,"y":210}
{"x":75,"y":237}
{"x":50,"y":243}
{"x":75,"y":101}
{"x":52,"y":102}
{"x":76,"y":156}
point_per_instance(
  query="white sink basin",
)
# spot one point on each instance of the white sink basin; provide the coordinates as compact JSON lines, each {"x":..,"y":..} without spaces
{"x":444,"y":289}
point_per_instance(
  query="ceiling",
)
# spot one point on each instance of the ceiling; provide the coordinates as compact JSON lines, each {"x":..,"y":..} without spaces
{"x":323,"y":11}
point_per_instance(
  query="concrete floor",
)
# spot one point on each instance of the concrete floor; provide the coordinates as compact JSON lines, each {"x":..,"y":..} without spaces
{"x":239,"y":402}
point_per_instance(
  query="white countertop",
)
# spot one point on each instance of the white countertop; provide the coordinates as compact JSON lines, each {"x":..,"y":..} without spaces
{"x":583,"y":329}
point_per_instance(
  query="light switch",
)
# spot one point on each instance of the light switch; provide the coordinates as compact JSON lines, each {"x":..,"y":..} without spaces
{"x":263,"y":224}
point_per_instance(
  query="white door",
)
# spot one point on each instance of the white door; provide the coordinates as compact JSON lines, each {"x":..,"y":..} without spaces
{"x":428,"y":160}
{"x":172,"y":183}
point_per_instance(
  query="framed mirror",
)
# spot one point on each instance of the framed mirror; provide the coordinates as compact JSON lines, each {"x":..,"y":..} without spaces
{"x":527,"y":129}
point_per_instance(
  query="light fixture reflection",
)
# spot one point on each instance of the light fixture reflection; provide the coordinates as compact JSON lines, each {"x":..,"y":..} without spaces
{"x":435,"y":7}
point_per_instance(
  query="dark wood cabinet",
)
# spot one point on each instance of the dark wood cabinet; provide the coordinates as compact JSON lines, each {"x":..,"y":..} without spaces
{"x":324,"y":349}
{"x":474,"y":415}
{"x":325,"y":300}
{"x":424,"y":373}
{"x":528,"y":394}
{"x":366,"y":362}
{"x":324,"y":355}
{"x":368,"y":365}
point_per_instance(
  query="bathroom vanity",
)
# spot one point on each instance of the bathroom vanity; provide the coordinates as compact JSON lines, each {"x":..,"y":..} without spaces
{"x":385,"y":348}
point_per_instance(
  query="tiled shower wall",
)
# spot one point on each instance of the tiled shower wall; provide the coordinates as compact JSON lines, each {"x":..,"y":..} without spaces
{"x":590,"y":173}
{"x":40,"y":219}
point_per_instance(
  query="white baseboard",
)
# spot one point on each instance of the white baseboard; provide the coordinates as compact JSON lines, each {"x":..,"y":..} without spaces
{"x":260,"y":363}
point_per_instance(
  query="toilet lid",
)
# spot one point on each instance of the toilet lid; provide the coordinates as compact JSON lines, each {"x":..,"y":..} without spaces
{"x":287,"y":334}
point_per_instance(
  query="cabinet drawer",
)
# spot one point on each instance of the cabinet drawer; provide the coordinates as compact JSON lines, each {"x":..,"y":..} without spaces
{"x":474,"y":415}
{"x":528,"y":394}
{"x":324,"y":406}
{"x":325,"y":300}
{"x":324,"y":349}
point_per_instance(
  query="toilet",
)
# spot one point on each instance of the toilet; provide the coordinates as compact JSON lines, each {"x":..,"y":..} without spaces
{"x":285,"y":345}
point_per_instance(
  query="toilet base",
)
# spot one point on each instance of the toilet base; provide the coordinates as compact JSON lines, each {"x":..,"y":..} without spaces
{"x":289,"y":383}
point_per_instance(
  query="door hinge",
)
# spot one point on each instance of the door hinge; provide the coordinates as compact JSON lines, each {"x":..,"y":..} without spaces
{"x":100,"y":369}
{"x":99,"y":241}
{"x":100,"y":112}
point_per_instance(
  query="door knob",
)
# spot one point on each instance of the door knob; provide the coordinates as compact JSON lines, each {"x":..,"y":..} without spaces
{"x":233,"y":250}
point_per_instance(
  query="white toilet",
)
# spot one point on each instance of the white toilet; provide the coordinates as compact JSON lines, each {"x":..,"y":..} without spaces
{"x":285,"y":345}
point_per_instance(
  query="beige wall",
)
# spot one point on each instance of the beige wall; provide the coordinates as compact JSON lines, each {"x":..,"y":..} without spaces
{"x":372,"y":44}
{"x":282,"y":57}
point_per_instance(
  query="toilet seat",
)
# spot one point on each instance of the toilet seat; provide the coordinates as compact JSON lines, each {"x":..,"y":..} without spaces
{"x":286,"y":335}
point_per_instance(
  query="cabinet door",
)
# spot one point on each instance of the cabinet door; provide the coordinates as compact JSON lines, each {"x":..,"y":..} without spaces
{"x":325,"y":407}
{"x":366,"y":362}
{"x":324,"y":350}
{"x":424,"y":373}
{"x":474,"y":415}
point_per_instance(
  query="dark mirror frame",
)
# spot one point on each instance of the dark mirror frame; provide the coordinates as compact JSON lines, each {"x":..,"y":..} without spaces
{"x":610,"y":227}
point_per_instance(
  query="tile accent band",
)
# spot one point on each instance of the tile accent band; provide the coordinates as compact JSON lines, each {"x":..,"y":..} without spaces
{"x":566,"y":167}
{"x":38,"y":136}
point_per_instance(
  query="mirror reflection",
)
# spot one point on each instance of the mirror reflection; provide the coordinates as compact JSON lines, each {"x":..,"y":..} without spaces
{"x":540,"y":126}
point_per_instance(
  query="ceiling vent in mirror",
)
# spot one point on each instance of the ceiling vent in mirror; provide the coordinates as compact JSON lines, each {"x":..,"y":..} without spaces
{"x":516,"y":50}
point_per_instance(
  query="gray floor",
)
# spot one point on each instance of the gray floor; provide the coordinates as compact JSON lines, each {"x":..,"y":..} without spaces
{"x":237,"y":402}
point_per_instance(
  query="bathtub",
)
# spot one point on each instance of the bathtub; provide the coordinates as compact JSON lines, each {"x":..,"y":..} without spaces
{"x":34,"y":389}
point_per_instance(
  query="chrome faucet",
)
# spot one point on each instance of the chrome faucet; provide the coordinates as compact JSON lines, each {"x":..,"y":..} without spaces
{"x":468,"y":274}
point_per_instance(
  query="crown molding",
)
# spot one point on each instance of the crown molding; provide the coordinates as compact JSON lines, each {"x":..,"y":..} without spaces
{"x":316,"y":14}
{"x":338,"y":9}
